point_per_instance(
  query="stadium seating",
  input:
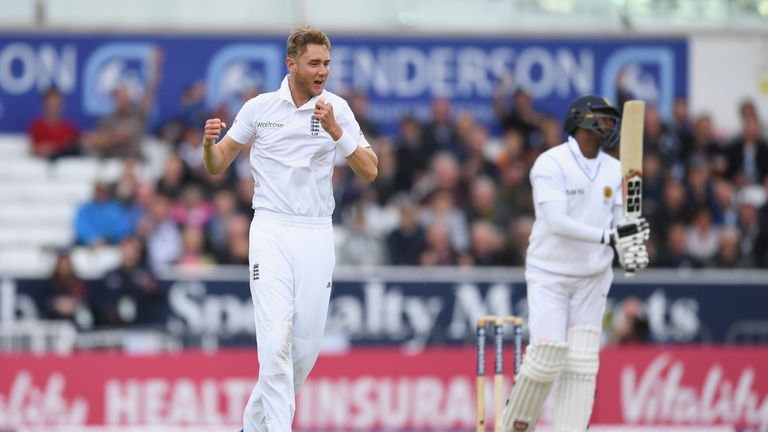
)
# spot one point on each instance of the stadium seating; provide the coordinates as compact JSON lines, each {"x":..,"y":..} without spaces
{"x":39,"y":202}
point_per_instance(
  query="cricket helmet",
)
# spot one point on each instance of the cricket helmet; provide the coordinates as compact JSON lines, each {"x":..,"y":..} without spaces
{"x":584,"y":112}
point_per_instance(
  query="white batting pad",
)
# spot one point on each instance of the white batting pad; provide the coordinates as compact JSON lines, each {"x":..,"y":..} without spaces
{"x":542,"y":362}
{"x":576,"y":388}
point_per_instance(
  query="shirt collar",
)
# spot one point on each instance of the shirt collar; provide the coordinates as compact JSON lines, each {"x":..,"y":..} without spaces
{"x":574,"y":146}
{"x":587,"y":164}
{"x":285,"y":94}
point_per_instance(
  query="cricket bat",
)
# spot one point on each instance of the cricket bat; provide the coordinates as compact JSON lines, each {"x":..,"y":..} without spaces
{"x":631,"y":156}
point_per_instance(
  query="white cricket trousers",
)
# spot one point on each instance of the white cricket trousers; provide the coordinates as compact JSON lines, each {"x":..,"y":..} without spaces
{"x":557,"y":303}
{"x":291,"y":264}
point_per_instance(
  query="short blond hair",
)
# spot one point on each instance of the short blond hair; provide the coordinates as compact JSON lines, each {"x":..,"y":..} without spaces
{"x":303,"y":36}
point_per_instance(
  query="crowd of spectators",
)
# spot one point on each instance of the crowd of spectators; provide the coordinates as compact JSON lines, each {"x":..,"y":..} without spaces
{"x":451,"y":190}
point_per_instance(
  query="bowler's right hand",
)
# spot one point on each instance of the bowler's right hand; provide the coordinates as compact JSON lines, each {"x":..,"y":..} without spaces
{"x":213,"y":128}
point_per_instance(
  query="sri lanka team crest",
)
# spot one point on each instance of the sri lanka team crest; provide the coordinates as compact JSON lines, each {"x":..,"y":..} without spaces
{"x":607,"y":193}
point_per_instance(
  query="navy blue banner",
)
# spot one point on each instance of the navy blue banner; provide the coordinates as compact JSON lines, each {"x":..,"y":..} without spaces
{"x":414,"y":312}
{"x":401,"y":75}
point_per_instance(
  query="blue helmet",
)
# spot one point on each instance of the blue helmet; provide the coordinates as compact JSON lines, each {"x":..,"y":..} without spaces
{"x":584,"y":112}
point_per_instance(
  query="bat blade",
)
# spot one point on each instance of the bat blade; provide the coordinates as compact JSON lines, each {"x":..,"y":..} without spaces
{"x":631,"y":156}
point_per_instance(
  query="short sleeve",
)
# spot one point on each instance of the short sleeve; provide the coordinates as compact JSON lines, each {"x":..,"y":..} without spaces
{"x":547,"y":180}
{"x":242,"y":128}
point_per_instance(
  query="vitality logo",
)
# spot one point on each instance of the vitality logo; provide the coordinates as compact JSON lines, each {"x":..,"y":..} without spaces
{"x":239,"y":68}
{"x":113,"y":65}
{"x":643,"y":72}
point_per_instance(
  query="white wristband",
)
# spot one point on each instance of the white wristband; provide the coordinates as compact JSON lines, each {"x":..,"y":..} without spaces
{"x":346,"y":144}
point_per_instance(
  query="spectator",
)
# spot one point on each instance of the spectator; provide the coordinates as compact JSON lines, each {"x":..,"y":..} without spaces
{"x":515,"y":194}
{"x":191,"y":113}
{"x":193,"y":255}
{"x":384,"y":185}
{"x":174,"y":177}
{"x":482,"y":202}
{"x":675,"y":210}
{"x":653,"y":185}
{"x":702,"y":239}
{"x":476,"y":162}
{"x":444,"y":176}
{"x":192,"y":209}
{"x":244,"y":193}
{"x":131,"y":293}
{"x":753,"y":240}
{"x":126,"y":194}
{"x":52,"y":135}
{"x":442,"y":208}
{"x":360,"y":248}
{"x":512,"y":148}
{"x":161,"y":234}
{"x":521,"y":116}
{"x":728,"y":254}
{"x":681,"y":122}
{"x":67,"y":297}
{"x":551,"y":135}
{"x":358,"y":102}
{"x":485,"y":246}
{"x":725,"y":212}
{"x":632,"y":326}
{"x":190,"y":150}
{"x":440,"y":131}
{"x":747,"y":154}
{"x":121,"y":133}
{"x":675,"y":254}
{"x":412,"y":153}
{"x":661,"y":140}
{"x":516,"y":242}
{"x":102,"y":220}
{"x":406,"y":243}
{"x":237,"y":239}
{"x":439,"y":251}
{"x":217,"y":228}
{"x":699,"y":184}
{"x":704,"y":145}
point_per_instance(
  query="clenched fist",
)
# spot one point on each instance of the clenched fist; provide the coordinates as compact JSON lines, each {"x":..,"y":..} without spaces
{"x":213,"y":128}
{"x":324,"y":114}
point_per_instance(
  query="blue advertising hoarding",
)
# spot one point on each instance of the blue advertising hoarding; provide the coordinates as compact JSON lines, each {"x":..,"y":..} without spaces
{"x":400,"y":75}
{"x":422,"y":308}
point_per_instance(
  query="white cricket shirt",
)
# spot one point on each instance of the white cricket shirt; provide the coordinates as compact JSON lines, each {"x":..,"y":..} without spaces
{"x":292,"y":156}
{"x":590,"y":189}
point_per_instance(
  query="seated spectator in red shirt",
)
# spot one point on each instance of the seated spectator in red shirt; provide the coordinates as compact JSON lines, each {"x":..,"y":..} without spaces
{"x":51,"y":135}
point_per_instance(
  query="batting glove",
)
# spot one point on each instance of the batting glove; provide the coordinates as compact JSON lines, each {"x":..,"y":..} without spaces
{"x":630,"y":232}
{"x":633,"y":257}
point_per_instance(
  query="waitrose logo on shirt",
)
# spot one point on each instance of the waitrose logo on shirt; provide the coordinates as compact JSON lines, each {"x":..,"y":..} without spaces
{"x":269,"y":124}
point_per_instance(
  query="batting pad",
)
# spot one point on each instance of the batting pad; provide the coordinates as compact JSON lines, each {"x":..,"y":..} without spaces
{"x":576,"y":388}
{"x":542,"y":362}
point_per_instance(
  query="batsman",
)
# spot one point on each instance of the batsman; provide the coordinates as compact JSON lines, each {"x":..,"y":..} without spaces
{"x":577,"y":192}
